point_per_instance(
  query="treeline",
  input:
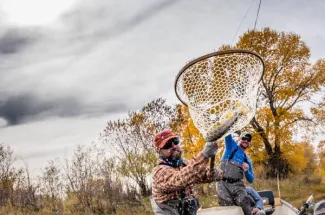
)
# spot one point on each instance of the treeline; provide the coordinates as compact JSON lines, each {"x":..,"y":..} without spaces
{"x":88,"y":183}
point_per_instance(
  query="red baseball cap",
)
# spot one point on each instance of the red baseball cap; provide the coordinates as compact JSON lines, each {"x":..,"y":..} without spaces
{"x":162,"y":137}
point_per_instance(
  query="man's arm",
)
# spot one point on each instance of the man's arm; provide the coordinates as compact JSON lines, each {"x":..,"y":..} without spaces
{"x":169,"y":179}
{"x":212,"y":175}
{"x":230,"y":143}
{"x":249,"y":174}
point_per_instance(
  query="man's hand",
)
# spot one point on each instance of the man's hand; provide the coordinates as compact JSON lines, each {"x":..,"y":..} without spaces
{"x":210,"y":149}
{"x":255,"y":210}
{"x":245,"y":167}
{"x":215,"y":174}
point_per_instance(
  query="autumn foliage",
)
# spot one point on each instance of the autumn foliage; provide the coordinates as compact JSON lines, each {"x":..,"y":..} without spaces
{"x":289,"y":84}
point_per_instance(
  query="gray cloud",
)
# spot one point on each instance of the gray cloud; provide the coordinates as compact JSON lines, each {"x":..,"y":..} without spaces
{"x":15,"y":39}
{"x":104,"y":20}
{"x":17,"y":107}
{"x":26,"y":107}
{"x":54,"y":64}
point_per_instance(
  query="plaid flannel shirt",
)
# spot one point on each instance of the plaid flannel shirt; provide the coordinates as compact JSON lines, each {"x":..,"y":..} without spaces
{"x":169,"y":181}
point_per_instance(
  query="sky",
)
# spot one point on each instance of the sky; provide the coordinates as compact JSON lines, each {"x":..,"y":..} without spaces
{"x":67,"y":67}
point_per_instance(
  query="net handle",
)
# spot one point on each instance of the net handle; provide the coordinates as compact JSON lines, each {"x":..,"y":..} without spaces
{"x":217,"y":53}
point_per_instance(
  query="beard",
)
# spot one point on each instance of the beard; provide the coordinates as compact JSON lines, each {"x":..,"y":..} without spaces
{"x":243,"y":146}
{"x":175,"y":155}
{"x":174,"y":159}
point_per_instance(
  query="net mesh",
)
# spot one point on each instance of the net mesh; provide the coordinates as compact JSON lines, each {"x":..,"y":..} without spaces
{"x":217,"y":86}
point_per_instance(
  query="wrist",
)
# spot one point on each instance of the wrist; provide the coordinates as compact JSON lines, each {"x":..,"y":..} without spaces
{"x":201,"y":157}
{"x":210,"y":149}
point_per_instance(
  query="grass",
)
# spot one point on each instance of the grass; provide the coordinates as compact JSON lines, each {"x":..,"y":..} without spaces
{"x":294,"y":190}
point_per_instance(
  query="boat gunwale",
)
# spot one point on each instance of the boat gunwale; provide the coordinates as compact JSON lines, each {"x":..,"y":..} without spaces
{"x":283,"y":202}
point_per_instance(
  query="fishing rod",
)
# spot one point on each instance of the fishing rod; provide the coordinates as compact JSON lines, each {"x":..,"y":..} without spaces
{"x":306,"y":205}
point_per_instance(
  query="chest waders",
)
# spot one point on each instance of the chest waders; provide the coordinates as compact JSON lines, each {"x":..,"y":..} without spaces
{"x":232,"y":170}
{"x":231,"y":189}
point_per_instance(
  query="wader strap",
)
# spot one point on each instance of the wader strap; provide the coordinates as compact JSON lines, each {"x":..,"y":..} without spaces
{"x":234,"y":152}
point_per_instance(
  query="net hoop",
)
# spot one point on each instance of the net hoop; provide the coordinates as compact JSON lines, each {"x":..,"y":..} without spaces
{"x":214,"y":86}
{"x":217,"y":53}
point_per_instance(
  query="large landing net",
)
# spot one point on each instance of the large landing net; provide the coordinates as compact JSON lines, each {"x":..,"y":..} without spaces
{"x":217,"y":86}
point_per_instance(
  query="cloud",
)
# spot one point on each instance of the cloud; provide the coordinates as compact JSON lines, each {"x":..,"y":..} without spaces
{"x":110,"y":19}
{"x":27,"y":107}
{"x":72,"y":68}
{"x":14,"y":40}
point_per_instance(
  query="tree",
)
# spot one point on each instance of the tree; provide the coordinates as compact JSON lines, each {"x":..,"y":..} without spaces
{"x":310,"y":157}
{"x":51,"y":185}
{"x":319,"y":111}
{"x":8,"y":174}
{"x":131,"y":140}
{"x":290,"y":79}
{"x":79,"y":171}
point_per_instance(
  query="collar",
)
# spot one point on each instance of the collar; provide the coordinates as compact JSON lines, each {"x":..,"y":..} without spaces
{"x":172,"y":163}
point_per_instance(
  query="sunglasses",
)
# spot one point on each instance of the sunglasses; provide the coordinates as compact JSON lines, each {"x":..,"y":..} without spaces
{"x":170,"y":142}
{"x":246,"y":139}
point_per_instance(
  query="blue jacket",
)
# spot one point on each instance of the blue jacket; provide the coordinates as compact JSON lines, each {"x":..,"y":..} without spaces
{"x":257,"y":198}
{"x":239,"y":156}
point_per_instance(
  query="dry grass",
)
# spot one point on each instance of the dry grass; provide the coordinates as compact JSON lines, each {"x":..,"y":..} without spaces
{"x":294,"y":190}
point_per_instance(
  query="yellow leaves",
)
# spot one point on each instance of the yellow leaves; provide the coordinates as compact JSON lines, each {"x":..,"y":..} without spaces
{"x":284,"y":93}
{"x":256,"y":150}
{"x":192,"y":140}
{"x":294,"y":153}
{"x":319,"y":67}
{"x":136,"y":118}
{"x":301,"y":156}
{"x":319,"y":112}
{"x":288,"y":74}
{"x":286,"y":116}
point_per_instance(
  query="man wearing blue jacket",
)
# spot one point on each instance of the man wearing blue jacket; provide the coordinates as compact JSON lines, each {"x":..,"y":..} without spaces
{"x":257,"y":201}
{"x":235,"y":164}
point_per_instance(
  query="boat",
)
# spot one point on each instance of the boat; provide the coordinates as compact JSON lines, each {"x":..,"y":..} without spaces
{"x":272,"y":206}
{"x":284,"y":208}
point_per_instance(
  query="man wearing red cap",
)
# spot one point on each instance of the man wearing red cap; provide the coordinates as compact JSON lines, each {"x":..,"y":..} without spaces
{"x":174,"y":176}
